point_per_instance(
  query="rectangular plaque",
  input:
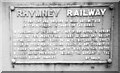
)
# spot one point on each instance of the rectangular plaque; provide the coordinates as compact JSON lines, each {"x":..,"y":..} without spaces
{"x":61,"y":34}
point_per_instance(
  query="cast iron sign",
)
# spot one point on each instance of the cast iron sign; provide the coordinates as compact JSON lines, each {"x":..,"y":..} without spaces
{"x":61,"y":34}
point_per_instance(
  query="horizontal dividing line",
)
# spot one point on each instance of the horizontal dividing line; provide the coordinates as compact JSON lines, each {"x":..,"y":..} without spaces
{"x":27,"y":62}
{"x":60,"y":6}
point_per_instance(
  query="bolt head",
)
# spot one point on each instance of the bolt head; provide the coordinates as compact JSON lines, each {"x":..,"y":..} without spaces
{"x":109,"y":61}
{"x":111,"y":7}
{"x":13,"y":61}
{"x":12,"y":8}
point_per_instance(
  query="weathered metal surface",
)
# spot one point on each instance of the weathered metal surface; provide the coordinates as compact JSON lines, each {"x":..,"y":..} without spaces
{"x":61,"y":34}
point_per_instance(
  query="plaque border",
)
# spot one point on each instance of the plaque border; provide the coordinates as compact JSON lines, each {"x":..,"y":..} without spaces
{"x":12,"y":8}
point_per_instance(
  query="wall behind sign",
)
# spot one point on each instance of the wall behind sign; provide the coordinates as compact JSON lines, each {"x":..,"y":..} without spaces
{"x":6,"y":61}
